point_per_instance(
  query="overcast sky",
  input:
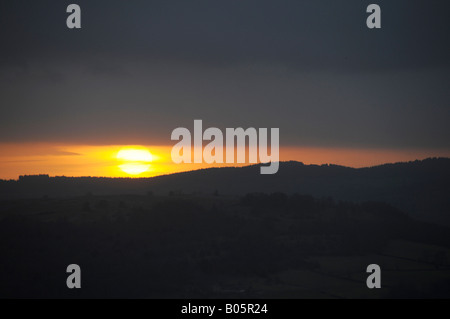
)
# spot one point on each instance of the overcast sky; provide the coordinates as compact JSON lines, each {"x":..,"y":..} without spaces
{"x":139,"y":69}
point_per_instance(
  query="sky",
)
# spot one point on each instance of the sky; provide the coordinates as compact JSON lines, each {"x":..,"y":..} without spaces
{"x":136,"y":70}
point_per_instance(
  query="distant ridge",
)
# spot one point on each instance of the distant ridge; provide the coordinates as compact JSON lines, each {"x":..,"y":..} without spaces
{"x":420,"y":188}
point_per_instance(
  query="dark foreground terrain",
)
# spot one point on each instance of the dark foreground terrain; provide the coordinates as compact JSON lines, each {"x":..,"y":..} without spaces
{"x":419,"y":188}
{"x":216,"y":246}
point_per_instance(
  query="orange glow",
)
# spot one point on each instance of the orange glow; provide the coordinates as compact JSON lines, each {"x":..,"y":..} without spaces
{"x":148,"y":161}
{"x":357,"y":157}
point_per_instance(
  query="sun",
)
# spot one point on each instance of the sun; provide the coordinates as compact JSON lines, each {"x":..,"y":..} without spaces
{"x":135,"y":155}
{"x":134,"y":168}
{"x":136,"y":160}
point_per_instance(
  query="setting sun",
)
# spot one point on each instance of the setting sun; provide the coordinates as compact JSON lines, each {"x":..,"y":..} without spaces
{"x":136,"y":160}
{"x":134,"y":168}
{"x":135,"y":155}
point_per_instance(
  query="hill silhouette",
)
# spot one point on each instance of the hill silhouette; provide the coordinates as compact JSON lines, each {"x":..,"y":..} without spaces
{"x":230,"y":233}
{"x":419,"y":188}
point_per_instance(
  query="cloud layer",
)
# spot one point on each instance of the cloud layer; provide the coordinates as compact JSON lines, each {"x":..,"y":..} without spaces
{"x":135,"y":71}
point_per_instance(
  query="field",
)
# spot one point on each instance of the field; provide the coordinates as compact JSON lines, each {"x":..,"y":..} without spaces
{"x":213,"y":246}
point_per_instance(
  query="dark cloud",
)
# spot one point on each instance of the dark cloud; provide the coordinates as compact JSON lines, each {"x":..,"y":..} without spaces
{"x":303,"y":34}
{"x":136,"y":70}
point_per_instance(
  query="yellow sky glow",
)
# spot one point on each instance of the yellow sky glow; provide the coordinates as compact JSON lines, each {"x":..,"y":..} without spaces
{"x":148,"y":161}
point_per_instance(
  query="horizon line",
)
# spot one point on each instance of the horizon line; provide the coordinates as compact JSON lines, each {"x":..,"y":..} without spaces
{"x":226,"y":167}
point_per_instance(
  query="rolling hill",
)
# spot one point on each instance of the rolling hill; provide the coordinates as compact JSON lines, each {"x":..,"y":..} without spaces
{"x":419,"y":188}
